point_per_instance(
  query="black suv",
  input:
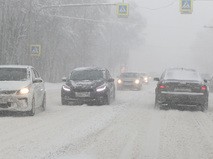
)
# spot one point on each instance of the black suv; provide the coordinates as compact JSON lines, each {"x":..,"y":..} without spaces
{"x":88,"y":85}
{"x":181,"y":87}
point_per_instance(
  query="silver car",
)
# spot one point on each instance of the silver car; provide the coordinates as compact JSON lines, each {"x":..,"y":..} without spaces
{"x":21,"y":89}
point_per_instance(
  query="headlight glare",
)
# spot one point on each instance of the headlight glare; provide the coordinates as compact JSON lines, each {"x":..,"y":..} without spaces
{"x":137,"y":81}
{"x":66,"y":88}
{"x":24,"y":91}
{"x":119,"y":81}
{"x":101,"y":88}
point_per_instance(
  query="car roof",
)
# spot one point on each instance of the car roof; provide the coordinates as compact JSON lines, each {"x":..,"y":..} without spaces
{"x":182,"y":74}
{"x":88,"y":68}
{"x":179,"y":69}
{"x":15,"y":66}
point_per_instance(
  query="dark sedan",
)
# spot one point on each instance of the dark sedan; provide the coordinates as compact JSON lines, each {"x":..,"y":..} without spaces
{"x":88,"y":85}
{"x":181,"y":87}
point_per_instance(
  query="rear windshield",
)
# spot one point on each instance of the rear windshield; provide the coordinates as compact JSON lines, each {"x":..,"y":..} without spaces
{"x":13,"y":74}
{"x":86,"y":75}
{"x":182,"y":75}
{"x":133,"y":75}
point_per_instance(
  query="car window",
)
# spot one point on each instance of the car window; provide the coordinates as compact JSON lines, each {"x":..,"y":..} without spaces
{"x":86,"y":75}
{"x":36,"y":73}
{"x":182,"y":75}
{"x":13,"y":74}
{"x":133,"y":75}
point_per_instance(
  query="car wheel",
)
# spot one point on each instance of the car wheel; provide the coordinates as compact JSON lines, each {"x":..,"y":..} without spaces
{"x":44,"y":103}
{"x":106,"y":100}
{"x":114,"y":94}
{"x":157,"y":104}
{"x":64,"y":102}
{"x":32,"y":111}
{"x":204,"y":106}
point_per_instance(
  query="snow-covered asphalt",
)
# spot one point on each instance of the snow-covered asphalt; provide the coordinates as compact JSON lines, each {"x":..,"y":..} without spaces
{"x":130,"y":128}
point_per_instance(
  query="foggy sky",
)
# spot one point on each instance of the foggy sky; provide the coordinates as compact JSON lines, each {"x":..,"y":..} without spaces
{"x":169,"y":36}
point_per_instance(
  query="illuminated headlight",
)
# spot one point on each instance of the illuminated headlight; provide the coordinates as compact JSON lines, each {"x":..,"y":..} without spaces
{"x":137,"y":81}
{"x":101,"y":88}
{"x":24,"y":91}
{"x":66,"y":88}
{"x":119,"y":81}
{"x":146,"y":79}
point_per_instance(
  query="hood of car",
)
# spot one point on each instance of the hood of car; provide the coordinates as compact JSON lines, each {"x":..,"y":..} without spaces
{"x":86,"y":84}
{"x":128,"y":79}
{"x":13,"y":85}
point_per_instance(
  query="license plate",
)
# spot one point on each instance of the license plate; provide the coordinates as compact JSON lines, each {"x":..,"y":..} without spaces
{"x":82,"y":94}
{"x":182,"y":90}
{"x":3,"y":101}
{"x":128,"y":83}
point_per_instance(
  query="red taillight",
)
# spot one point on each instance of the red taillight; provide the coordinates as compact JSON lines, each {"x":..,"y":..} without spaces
{"x":162,"y":87}
{"x":203,"y":88}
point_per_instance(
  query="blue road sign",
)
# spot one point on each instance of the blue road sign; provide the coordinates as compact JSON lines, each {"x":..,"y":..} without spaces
{"x":186,"y":6}
{"x":123,"y":9}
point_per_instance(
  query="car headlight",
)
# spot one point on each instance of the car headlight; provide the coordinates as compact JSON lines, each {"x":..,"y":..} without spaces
{"x":137,"y":81}
{"x":146,"y":79}
{"x":101,"y":88}
{"x":66,"y":88}
{"x":119,"y":81}
{"x":24,"y":91}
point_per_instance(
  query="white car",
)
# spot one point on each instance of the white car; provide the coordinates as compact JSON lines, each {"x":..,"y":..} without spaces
{"x":21,"y":89}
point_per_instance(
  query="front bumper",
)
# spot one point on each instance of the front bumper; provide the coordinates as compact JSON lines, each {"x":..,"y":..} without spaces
{"x":93,"y":96}
{"x":129,"y":86}
{"x":14,"y":103}
{"x":181,"y":98}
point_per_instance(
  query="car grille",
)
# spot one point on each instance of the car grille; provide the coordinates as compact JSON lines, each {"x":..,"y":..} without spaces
{"x":83,"y":90}
{"x":7,"y":92}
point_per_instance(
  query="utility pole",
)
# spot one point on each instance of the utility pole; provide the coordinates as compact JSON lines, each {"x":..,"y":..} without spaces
{"x":2,"y":31}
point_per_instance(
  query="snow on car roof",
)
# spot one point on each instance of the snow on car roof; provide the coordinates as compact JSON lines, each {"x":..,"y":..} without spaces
{"x":88,"y":68}
{"x":15,"y":66}
{"x":182,"y":74}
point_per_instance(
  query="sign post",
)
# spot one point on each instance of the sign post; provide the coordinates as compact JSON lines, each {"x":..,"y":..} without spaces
{"x":186,"y":6}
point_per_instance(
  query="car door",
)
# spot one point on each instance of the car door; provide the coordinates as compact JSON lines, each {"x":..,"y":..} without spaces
{"x":111,"y":84}
{"x":39,"y":89}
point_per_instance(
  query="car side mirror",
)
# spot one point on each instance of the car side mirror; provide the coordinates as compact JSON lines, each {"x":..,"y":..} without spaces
{"x":156,"y":79}
{"x":111,"y":80}
{"x":64,"y":79}
{"x":37,"y":80}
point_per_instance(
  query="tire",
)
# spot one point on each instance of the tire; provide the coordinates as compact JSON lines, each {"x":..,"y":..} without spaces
{"x":64,"y":102}
{"x":43,"y":106}
{"x":157,"y":104}
{"x":204,"y":106}
{"x":114,"y":95}
{"x":32,"y":111}
{"x":107,"y":100}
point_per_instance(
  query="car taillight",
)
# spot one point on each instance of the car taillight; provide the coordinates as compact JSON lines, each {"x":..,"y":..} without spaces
{"x":162,"y":86}
{"x":203,"y":88}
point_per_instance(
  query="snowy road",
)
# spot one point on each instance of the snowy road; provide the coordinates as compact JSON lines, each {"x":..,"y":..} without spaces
{"x":130,"y":128}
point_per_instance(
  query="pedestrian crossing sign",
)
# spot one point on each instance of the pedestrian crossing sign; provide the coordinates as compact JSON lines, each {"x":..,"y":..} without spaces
{"x":123,"y":10}
{"x":186,"y":6}
{"x":35,"y":50}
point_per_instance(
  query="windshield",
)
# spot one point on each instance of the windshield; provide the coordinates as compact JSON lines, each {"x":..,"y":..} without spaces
{"x":86,"y":75}
{"x":13,"y":74}
{"x":129,"y":75}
